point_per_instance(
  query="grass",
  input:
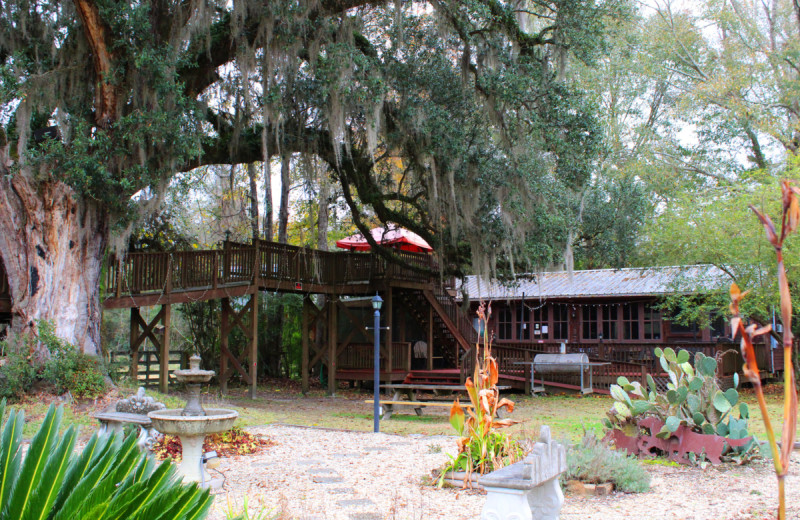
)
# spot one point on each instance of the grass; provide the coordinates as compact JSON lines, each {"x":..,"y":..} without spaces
{"x":568,"y":416}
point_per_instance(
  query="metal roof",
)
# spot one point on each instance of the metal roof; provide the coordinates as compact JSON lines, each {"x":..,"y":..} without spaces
{"x":638,"y":281}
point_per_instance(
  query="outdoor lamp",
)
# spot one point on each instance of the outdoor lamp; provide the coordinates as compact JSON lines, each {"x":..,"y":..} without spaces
{"x":377,"y":301}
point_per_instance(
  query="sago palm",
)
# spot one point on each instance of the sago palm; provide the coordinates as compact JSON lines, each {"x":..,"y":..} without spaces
{"x":109,"y":480}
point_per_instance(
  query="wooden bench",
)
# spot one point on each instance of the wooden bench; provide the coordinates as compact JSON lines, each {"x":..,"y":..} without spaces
{"x":387,"y":407}
{"x":132,"y":410}
{"x":412,"y":392}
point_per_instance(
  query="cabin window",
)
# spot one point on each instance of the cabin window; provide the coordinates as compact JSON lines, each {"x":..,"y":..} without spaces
{"x":590,"y":322}
{"x":652,"y":322}
{"x":719,"y":326}
{"x":630,"y":321}
{"x":610,"y":317}
{"x":560,"y":321}
{"x":523,"y":321}
{"x":679,"y":329}
{"x":541,"y":327}
{"x":504,"y":323}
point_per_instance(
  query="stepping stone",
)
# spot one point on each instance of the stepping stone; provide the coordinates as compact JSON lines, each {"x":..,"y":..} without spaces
{"x":356,"y":502}
{"x":401,"y":443}
{"x":341,"y":491}
{"x":310,"y":462}
{"x":364,"y":516}
{"x":322,"y":471}
{"x":376,"y":448}
{"x":327,"y":480}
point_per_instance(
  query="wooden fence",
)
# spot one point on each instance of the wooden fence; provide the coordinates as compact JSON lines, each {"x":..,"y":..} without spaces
{"x":149,"y":364}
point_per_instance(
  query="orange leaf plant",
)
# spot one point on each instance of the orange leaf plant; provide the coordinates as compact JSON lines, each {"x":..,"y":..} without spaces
{"x":789,"y":222}
{"x":481,"y":448}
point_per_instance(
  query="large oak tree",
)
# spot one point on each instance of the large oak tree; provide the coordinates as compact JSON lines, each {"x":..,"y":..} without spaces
{"x":104,"y":100}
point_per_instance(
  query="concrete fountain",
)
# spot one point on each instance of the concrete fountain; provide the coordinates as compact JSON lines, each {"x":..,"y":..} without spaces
{"x":193,"y":423}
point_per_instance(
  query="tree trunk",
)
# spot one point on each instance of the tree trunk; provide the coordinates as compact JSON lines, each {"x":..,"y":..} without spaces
{"x":52,"y":245}
{"x":323,"y":213}
{"x":283,"y":212}
{"x":251,"y":174}
{"x":268,"y":200}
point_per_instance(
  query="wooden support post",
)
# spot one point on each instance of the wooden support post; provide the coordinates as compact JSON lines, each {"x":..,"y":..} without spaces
{"x":387,"y":305}
{"x":430,"y":337}
{"x":644,"y":376}
{"x":163,"y":373}
{"x":304,"y":356}
{"x":223,"y":346}
{"x":333,"y":336}
{"x":254,"y":342}
{"x":134,"y":345}
{"x":526,"y":369}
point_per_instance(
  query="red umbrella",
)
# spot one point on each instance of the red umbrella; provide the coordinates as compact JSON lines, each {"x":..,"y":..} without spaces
{"x":391,"y":236}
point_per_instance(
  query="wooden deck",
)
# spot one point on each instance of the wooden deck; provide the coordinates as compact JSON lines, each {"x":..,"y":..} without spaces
{"x":145,"y":279}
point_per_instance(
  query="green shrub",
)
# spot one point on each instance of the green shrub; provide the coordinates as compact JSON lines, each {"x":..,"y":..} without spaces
{"x":68,"y":369}
{"x":593,"y":461}
{"x":109,"y":479}
{"x":17,"y":372}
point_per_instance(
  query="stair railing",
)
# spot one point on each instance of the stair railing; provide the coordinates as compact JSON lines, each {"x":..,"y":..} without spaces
{"x":453,"y":310}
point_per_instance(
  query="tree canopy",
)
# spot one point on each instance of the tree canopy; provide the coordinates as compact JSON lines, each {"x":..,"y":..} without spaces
{"x":470,"y":96}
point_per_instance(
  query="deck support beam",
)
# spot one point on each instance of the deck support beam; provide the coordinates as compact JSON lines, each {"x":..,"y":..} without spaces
{"x":388,"y":312}
{"x":229,"y":320}
{"x":140,"y":330}
{"x":304,"y":326}
{"x":430,"y":338}
{"x":333,"y":336}
{"x":163,"y":373}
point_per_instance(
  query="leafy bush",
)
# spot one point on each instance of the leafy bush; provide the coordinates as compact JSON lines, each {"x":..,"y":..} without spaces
{"x":68,"y":369}
{"x":109,"y":479}
{"x":17,"y":371}
{"x":593,"y":461}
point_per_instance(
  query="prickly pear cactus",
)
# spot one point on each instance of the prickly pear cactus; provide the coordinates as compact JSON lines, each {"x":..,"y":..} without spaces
{"x":693,"y":399}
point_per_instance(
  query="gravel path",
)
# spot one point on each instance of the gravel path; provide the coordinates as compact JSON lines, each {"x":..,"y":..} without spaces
{"x":317,"y":474}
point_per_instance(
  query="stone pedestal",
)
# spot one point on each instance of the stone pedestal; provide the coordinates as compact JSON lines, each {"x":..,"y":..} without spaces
{"x":191,"y":459}
{"x":527,"y":490}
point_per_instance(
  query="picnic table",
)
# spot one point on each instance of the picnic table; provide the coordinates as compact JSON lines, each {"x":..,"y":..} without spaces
{"x":413,"y":392}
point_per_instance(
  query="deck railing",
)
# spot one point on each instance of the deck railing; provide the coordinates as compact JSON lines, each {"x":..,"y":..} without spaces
{"x":634,"y":361}
{"x":145,"y":272}
{"x":360,"y":356}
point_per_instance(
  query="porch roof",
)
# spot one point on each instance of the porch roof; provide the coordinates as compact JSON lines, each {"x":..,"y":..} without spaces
{"x":626,"y":282}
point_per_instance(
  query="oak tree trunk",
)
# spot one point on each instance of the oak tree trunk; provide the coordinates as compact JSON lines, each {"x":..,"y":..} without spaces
{"x":52,"y":245}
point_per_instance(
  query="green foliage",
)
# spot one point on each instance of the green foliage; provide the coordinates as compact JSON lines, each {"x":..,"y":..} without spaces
{"x":17,"y":373}
{"x":693,"y":399}
{"x":67,"y":368}
{"x":593,"y":461}
{"x":233,"y":513}
{"x":109,"y":479}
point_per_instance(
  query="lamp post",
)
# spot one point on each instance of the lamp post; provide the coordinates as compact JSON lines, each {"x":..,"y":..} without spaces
{"x":377,"y":301}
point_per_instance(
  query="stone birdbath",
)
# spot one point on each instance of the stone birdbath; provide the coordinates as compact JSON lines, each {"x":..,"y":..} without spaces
{"x":193,"y":423}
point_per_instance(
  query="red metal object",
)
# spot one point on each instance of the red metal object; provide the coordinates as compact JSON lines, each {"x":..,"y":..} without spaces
{"x":676,"y":447}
